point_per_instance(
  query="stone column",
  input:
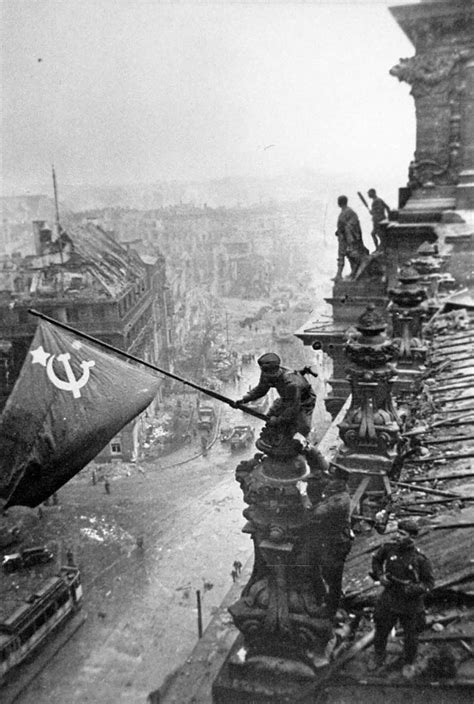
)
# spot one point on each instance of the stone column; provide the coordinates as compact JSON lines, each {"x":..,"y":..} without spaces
{"x":429,"y":264}
{"x":465,"y":187}
{"x":370,"y":431}
{"x":284,"y":634}
{"x":441,"y":175}
{"x":408,"y":311}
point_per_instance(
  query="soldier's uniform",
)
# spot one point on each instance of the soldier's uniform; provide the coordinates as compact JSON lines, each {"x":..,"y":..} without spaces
{"x":378,"y":210}
{"x":350,"y":243}
{"x":297,"y":398}
{"x":407,"y":575}
{"x":332,"y":539}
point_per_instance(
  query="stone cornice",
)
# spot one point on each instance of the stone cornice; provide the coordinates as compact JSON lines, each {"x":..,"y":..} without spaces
{"x":429,"y":25}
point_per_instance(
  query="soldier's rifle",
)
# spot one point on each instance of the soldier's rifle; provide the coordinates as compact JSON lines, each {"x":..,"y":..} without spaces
{"x":116,"y":350}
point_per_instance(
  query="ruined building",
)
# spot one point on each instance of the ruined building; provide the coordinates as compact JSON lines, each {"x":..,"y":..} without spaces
{"x":85,"y":278}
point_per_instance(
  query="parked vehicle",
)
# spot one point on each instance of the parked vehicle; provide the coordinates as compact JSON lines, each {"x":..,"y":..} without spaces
{"x":206,"y":417}
{"x":225,"y":434}
{"x":242,"y":436}
{"x":26,"y":558}
{"x":9,"y":536}
{"x":33,"y":621}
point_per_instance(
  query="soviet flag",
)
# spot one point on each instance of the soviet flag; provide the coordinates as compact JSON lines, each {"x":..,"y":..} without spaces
{"x":69,"y":400}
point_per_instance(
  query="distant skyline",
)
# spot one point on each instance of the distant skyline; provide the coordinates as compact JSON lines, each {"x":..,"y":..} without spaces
{"x":137,"y":91}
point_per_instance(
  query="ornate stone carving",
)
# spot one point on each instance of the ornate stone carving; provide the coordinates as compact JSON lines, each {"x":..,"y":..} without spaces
{"x":428,"y":74}
{"x":427,"y":261}
{"x":407,"y":315}
{"x":279,"y":611}
{"x":371,"y":424}
{"x":436,"y":85}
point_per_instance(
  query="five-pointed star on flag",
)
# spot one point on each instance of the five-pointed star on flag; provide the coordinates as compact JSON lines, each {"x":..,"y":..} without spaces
{"x":40,"y":356}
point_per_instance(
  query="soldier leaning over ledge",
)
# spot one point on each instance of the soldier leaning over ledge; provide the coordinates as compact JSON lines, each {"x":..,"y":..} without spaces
{"x":406,"y":575}
{"x":295,"y":405}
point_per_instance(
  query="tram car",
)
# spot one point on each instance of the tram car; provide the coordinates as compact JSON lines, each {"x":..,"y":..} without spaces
{"x":29,"y":625}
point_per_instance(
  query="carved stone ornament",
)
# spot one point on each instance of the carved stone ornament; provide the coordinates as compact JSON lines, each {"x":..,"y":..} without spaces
{"x":427,"y":73}
{"x":409,"y":294}
{"x":435,"y":76}
{"x":371,"y":349}
{"x":279,"y":611}
{"x":371,"y":424}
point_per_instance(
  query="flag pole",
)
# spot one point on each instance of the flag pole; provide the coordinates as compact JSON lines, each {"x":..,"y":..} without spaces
{"x":116,"y":350}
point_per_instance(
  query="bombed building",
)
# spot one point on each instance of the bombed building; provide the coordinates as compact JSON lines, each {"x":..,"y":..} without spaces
{"x":85,"y":278}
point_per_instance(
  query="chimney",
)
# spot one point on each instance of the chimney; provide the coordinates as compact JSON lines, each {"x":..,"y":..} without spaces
{"x":42,"y":235}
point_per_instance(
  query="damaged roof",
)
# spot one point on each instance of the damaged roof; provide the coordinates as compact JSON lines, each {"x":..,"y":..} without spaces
{"x":89,"y":262}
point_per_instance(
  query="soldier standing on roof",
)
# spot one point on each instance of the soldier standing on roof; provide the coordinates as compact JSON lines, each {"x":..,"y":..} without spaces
{"x":294,"y":409}
{"x":406,"y":575}
{"x":379,"y":211}
{"x":332,"y":537}
{"x":350,"y":243}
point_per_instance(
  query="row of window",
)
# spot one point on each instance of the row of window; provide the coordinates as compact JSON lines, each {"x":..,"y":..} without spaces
{"x":130,"y":299}
{"x":79,"y":313}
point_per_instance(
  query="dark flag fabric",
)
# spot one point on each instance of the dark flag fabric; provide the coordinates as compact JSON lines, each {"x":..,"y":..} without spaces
{"x":69,"y":400}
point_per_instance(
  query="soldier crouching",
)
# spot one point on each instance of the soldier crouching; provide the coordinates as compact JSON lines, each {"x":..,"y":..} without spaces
{"x":406,"y":575}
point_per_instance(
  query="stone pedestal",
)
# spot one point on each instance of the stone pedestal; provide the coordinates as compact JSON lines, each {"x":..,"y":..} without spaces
{"x":370,"y":431}
{"x":284,"y":637}
{"x":349,"y":299}
{"x":408,"y":310}
{"x":262,"y":679}
{"x":331,"y":339}
{"x":400,"y":241}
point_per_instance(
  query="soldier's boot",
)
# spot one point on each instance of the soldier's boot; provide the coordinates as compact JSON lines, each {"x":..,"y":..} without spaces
{"x":338,"y":276}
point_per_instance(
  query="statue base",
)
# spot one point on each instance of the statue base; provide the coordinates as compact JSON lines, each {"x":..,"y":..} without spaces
{"x":408,"y":380}
{"x":274,"y":680}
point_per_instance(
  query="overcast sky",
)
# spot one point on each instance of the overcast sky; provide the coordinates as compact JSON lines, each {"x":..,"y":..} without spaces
{"x":126,"y":91}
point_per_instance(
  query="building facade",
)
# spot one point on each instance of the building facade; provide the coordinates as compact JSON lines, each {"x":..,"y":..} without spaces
{"x":85,"y":278}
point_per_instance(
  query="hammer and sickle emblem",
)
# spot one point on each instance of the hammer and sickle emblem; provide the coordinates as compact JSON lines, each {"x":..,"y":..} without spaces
{"x":72,"y":384}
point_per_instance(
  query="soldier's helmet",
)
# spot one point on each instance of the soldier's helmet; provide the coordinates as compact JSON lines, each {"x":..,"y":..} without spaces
{"x":269,"y":363}
{"x":409,"y":526}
